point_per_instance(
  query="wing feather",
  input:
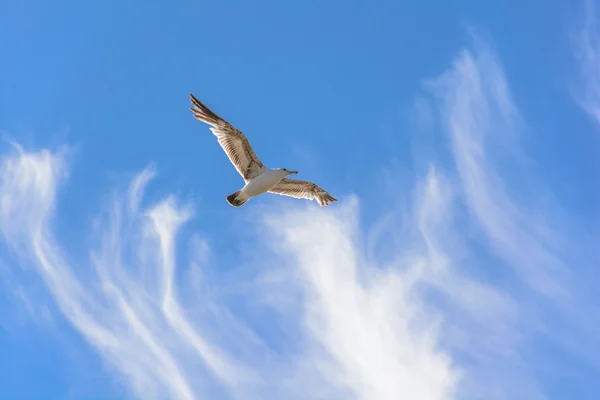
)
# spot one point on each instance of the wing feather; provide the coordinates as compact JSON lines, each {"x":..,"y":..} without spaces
{"x":302,"y":190}
{"x":234,"y":143}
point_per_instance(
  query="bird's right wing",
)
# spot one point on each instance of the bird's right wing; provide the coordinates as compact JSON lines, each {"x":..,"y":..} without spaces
{"x":302,"y":190}
{"x":234,"y":142}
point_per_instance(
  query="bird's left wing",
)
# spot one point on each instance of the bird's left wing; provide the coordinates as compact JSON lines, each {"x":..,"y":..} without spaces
{"x":234,"y":142}
{"x":302,"y":190}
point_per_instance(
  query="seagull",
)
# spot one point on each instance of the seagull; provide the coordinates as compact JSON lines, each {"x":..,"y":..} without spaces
{"x":257,"y":177}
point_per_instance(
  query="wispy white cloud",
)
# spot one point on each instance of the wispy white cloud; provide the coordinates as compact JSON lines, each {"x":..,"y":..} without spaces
{"x":366,"y":327}
{"x":586,"y":43}
{"x":527,"y":237}
{"x":482,"y":323}
{"x":478,"y":113}
{"x":107,"y":303}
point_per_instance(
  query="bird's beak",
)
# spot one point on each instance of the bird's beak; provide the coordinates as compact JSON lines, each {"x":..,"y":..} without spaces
{"x":292,"y":172}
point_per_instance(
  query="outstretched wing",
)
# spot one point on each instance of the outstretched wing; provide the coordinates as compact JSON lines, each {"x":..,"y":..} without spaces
{"x":234,"y":142}
{"x":303,"y":190}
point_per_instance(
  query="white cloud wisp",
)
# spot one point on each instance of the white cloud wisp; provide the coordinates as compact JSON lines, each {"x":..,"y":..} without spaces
{"x":587,"y":52}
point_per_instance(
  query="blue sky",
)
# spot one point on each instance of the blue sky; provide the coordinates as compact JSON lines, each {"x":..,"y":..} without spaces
{"x":461,"y":261}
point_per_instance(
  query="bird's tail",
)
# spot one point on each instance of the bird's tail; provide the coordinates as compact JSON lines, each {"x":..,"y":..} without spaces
{"x":237,"y":199}
{"x":203,"y":113}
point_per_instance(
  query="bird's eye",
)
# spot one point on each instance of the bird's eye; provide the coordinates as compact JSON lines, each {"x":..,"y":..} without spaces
{"x":285,"y":169}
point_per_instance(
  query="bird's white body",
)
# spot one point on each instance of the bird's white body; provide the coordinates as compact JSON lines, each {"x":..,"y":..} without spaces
{"x":263,"y":182}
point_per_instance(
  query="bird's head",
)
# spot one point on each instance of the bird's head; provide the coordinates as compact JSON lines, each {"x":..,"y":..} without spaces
{"x":288,"y":172}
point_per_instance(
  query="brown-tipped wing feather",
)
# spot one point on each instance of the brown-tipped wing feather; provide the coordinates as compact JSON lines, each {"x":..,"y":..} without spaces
{"x":303,"y":190}
{"x":234,"y":142}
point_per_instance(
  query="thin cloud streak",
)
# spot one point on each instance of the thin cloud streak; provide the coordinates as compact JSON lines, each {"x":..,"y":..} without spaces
{"x":586,"y":43}
{"x":117,"y":316}
{"x":166,"y":221}
{"x":477,"y":111}
{"x":479,"y":116}
{"x":482,"y":323}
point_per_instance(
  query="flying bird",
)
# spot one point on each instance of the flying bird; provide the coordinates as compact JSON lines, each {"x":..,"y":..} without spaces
{"x":257,"y":177}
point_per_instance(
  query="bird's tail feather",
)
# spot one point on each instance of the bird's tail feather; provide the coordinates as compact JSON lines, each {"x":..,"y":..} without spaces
{"x":203,"y":113}
{"x":237,"y":199}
